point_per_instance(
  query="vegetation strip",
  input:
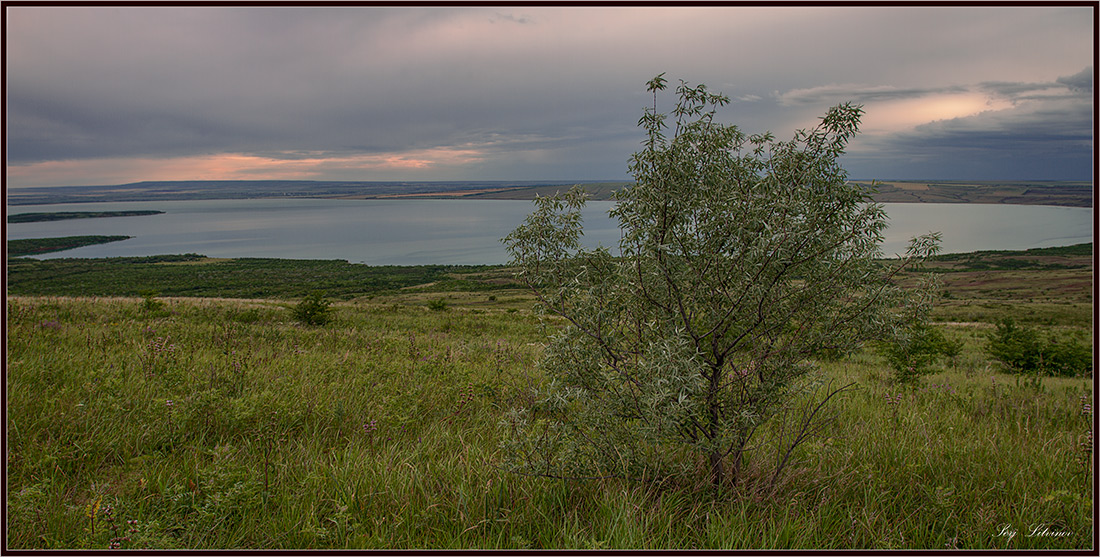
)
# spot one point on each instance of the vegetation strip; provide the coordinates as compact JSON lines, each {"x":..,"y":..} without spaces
{"x":34,"y":246}
{"x":195,"y":275}
{"x":44,"y":217}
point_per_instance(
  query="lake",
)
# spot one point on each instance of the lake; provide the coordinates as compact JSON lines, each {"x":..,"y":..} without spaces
{"x":467,"y":231}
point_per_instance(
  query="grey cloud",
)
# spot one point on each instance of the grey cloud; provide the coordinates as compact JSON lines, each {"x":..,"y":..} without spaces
{"x":269,"y":80}
{"x":1080,"y":81}
{"x":1073,"y":85}
{"x":1038,"y":140}
{"x":1015,"y":90}
{"x":859,"y":94}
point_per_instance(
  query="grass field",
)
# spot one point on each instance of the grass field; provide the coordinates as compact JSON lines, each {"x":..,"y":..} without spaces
{"x":219,"y":423}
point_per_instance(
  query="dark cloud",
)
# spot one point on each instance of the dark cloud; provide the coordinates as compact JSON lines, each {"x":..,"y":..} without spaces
{"x":1049,"y":138}
{"x":1080,"y":81}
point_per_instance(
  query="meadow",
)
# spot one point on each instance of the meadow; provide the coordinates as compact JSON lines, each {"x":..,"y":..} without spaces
{"x":173,"y":422}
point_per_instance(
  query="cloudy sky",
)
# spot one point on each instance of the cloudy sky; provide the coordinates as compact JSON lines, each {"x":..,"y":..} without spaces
{"x":110,"y":95}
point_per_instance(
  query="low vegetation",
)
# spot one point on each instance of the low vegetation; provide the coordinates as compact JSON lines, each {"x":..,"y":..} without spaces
{"x":35,"y":246}
{"x":66,"y":215}
{"x":195,"y":275}
{"x":1025,"y":350}
{"x":144,"y":420}
{"x":313,"y":309}
{"x":198,"y":423}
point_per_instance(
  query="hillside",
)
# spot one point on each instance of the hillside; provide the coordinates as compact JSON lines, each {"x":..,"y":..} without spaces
{"x":203,"y":423}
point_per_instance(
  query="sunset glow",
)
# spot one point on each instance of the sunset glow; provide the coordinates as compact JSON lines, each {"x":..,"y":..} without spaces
{"x":904,"y":114}
{"x":235,"y":166}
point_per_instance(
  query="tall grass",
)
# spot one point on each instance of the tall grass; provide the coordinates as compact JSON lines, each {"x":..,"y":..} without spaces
{"x":225,"y":424}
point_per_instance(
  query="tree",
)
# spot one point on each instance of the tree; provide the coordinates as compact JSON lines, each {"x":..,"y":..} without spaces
{"x":741,"y":257}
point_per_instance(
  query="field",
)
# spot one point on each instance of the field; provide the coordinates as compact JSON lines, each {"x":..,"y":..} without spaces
{"x":181,"y":422}
{"x":1069,"y":194}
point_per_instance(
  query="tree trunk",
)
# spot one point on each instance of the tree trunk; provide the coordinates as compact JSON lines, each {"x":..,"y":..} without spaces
{"x":717,"y":470}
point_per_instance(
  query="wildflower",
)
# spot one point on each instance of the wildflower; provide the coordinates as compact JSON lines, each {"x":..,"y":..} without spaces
{"x":370,"y":427}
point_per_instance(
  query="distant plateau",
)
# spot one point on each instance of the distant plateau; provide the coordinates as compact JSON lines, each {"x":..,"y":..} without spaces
{"x":1067,"y":194}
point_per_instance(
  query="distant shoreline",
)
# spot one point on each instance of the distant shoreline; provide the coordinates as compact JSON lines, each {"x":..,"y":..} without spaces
{"x":67,"y":215}
{"x":1050,"y":193}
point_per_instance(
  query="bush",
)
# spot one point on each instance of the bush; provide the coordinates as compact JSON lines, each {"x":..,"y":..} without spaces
{"x":438,"y":304}
{"x":1022,"y":350}
{"x":914,"y":355}
{"x":149,"y":301}
{"x":313,"y":309}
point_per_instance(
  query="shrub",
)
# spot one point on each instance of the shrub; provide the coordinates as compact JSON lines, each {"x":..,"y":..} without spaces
{"x":150,"y":302}
{"x":741,"y":258}
{"x":313,"y":309}
{"x":912,"y":355}
{"x":1022,"y":350}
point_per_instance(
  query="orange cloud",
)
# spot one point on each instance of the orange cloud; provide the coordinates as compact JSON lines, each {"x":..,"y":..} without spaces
{"x":904,"y":114}
{"x":237,"y":166}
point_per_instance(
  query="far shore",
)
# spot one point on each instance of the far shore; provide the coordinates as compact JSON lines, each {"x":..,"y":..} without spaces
{"x":1050,"y":193}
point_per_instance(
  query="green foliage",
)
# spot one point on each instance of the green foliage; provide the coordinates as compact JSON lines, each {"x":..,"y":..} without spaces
{"x":1022,"y":350}
{"x":32,"y":246}
{"x":313,"y":309}
{"x":912,"y":356}
{"x":741,"y":257}
{"x":195,"y":275}
{"x":437,"y":304}
{"x":149,"y":301}
{"x":916,"y":344}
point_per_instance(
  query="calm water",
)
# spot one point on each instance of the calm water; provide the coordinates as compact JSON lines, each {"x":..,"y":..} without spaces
{"x":426,"y":231}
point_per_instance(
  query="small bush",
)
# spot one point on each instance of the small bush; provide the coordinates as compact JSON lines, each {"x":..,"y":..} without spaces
{"x":313,"y":309}
{"x":150,"y":302}
{"x":1022,"y":350}
{"x":914,"y":355}
{"x":438,"y":304}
